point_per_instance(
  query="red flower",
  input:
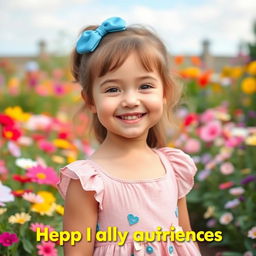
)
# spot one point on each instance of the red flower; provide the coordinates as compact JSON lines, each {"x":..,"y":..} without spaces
{"x":204,"y":79}
{"x":226,"y":185}
{"x":21,"y":178}
{"x":63,"y":135}
{"x":6,"y":120}
{"x":20,"y":192}
{"x":191,"y":118}
{"x":11,"y":133}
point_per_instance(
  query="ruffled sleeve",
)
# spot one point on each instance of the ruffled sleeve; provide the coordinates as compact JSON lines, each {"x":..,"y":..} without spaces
{"x":184,"y":169}
{"x":89,"y":177}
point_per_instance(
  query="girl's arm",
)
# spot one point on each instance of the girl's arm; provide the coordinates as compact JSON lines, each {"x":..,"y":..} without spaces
{"x":184,"y":221}
{"x":81,"y":211}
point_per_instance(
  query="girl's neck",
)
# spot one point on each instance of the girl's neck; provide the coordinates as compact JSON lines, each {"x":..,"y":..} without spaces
{"x":115,"y":146}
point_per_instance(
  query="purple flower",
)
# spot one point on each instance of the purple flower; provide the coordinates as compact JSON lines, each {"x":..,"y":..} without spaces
{"x":248,"y":179}
{"x":7,"y":239}
{"x":202,"y":175}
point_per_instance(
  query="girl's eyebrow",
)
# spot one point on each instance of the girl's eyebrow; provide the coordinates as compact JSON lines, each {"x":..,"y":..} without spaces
{"x":120,"y":80}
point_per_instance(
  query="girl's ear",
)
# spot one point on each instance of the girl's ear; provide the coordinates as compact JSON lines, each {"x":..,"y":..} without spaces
{"x":88,"y":103}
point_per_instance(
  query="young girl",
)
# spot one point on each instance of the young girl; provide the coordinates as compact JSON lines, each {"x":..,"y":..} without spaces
{"x":131,"y":182}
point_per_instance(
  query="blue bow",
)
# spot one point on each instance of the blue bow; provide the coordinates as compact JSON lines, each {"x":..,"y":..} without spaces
{"x":90,"y":39}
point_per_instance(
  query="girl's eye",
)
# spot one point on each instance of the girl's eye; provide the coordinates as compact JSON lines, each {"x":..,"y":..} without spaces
{"x":112,"y":90}
{"x":146,"y":86}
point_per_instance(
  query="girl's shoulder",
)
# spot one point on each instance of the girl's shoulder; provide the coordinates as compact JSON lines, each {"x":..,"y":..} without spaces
{"x":88,"y":176}
{"x":183,"y":167}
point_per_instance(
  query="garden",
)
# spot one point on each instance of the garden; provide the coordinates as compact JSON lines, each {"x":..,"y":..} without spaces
{"x":43,"y":128}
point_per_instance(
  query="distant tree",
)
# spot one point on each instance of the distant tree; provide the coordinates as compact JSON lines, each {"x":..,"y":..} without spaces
{"x":252,"y":46}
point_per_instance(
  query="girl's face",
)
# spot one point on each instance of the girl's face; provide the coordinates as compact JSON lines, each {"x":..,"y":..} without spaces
{"x":129,"y":100}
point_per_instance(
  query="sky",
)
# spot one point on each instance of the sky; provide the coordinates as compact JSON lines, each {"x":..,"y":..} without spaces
{"x":181,"y":24}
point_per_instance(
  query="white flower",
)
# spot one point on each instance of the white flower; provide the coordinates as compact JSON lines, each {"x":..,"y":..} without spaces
{"x":236,"y":191}
{"x":5,"y":194}
{"x":38,"y":122}
{"x":25,"y":141}
{"x":248,"y":253}
{"x":226,"y":218}
{"x":252,"y":233}
{"x":32,"y":197}
{"x":25,"y":163}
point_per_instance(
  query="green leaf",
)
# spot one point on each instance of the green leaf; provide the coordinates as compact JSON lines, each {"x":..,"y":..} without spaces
{"x":28,"y":247}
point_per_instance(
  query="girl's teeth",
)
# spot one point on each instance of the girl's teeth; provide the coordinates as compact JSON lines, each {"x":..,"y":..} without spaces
{"x":130,"y":117}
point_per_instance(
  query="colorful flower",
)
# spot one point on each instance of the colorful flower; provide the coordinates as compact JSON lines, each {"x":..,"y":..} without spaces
{"x":236,"y":191}
{"x":47,"y":249}
{"x":19,"y":218}
{"x":6,"y":195}
{"x":7,"y":239}
{"x":248,"y":85}
{"x":43,"y":175}
{"x":5,"y":120}
{"x":59,"y":209}
{"x":226,"y":218}
{"x":210,"y":131}
{"x":192,"y":146}
{"x":17,"y":113}
{"x":252,"y":233}
{"x":226,"y":185}
{"x":14,"y":149}
{"x":227,"y":168}
{"x":46,"y":146}
{"x":20,"y":192}
{"x":34,"y":226}
{"x":25,"y":163}
{"x":11,"y":133}
{"x":232,"y":204}
{"x":248,"y":179}
{"x":32,"y":197}
{"x":2,"y":210}
{"x":21,"y":178}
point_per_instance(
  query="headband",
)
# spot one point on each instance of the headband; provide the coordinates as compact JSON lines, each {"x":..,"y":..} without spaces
{"x":90,"y":39}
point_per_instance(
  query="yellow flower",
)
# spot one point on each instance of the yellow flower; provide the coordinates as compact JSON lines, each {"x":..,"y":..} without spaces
{"x":192,"y":72}
{"x":71,"y":159}
{"x":44,"y":208}
{"x":17,"y":113}
{"x":2,"y":210}
{"x":13,"y":82}
{"x":236,"y":72}
{"x":20,"y":218}
{"x":246,"y":171}
{"x":226,"y":71}
{"x":209,"y":213}
{"x":48,"y":197}
{"x":61,"y":143}
{"x":249,"y":85}
{"x":58,"y":159}
{"x":59,"y":209}
{"x":252,"y":68}
{"x":251,"y":140}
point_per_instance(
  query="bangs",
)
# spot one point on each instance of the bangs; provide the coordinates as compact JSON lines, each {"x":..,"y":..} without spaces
{"x":112,"y":55}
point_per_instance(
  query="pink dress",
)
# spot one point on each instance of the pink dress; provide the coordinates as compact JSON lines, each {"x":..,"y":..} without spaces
{"x":139,"y":205}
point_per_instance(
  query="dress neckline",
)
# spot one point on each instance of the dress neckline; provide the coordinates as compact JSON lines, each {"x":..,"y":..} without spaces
{"x":161,"y":156}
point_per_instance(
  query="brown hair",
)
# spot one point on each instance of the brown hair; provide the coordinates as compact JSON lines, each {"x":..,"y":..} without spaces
{"x":110,"y":54}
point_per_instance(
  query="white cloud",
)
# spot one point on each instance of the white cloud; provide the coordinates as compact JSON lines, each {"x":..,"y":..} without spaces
{"x":182,"y":28}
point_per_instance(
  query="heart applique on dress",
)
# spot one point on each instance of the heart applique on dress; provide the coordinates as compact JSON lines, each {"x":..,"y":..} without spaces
{"x":132,"y":219}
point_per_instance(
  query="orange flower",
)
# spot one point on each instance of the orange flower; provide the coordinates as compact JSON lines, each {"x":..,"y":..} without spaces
{"x":196,"y":60}
{"x":178,"y":60}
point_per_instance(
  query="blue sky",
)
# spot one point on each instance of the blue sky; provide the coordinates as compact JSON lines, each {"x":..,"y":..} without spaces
{"x":181,"y":24}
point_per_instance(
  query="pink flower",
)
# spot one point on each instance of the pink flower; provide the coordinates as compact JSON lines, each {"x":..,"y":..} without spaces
{"x":236,"y":191}
{"x":210,"y":131}
{"x":207,"y":116}
{"x":192,"y":146}
{"x":233,"y":142}
{"x":42,"y":175}
{"x":7,"y":239}
{"x":46,"y":146}
{"x":252,"y":233}
{"x":47,"y":249}
{"x":226,"y":218}
{"x":36,"y":225}
{"x":227,"y":168}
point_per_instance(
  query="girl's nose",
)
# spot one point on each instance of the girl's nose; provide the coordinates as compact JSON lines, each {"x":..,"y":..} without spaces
{"x":130,"y":100}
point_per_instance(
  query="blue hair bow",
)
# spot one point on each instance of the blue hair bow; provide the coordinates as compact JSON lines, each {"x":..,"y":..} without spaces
{"x":90,"y":39}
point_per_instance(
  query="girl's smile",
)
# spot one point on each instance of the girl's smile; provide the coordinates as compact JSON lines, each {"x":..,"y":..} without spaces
{"x":128,"y":100}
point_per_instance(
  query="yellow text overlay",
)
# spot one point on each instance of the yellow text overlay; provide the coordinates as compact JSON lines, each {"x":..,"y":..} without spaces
{"x":112,"y":234}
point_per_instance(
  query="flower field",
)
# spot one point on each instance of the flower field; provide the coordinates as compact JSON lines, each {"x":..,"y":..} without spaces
{"x":42,"y":130}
